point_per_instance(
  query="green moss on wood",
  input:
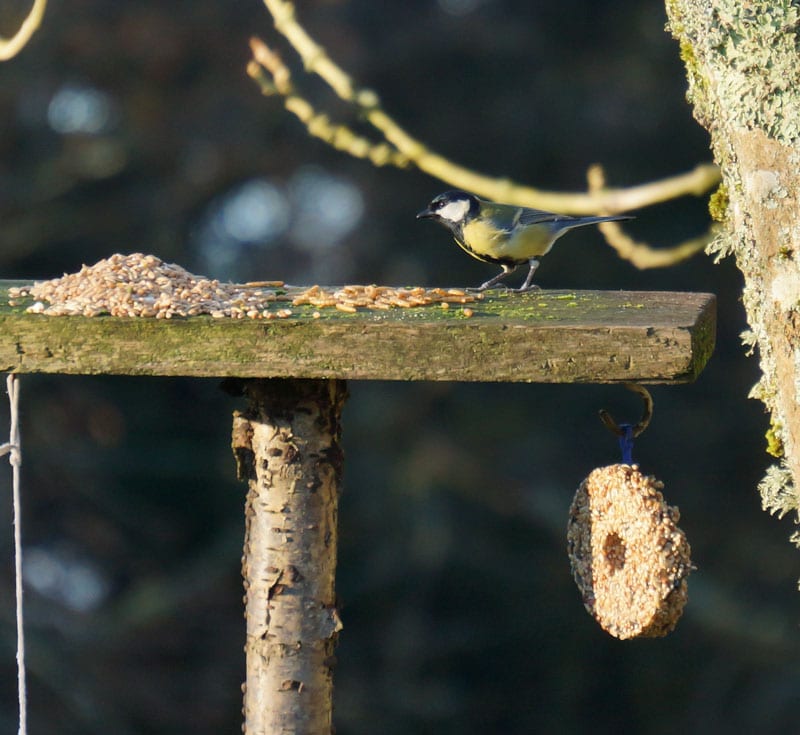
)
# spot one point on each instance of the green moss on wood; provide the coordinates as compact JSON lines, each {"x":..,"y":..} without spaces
{"x":544,"y":336}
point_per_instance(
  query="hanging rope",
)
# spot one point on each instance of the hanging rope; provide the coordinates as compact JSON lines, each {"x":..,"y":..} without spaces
{"x":13,"y":449}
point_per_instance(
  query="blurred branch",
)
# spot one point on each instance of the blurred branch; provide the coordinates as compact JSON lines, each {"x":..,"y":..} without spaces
{"x":399,"y":148}
{"x":9,"y":48}
{"x":640,"y":254}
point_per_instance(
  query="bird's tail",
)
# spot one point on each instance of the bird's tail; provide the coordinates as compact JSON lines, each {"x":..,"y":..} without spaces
{"x":581,"y":221}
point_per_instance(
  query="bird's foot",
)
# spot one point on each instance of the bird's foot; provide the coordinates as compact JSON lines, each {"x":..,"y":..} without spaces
{"x":489,"y":287}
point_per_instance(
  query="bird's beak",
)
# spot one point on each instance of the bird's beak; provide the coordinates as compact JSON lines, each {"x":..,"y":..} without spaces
{"x":424,"y":214}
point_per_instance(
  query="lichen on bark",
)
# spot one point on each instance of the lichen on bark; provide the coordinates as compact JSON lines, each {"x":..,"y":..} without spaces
{"x":743,"y":67}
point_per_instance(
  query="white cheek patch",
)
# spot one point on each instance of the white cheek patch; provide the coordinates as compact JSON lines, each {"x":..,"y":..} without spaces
{"x":454,"y":211}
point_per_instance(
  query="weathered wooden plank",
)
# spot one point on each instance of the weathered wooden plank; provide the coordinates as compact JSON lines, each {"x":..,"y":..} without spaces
{"x":544,"y":336}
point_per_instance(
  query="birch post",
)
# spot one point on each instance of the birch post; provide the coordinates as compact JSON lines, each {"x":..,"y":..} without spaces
{"x":287,"y":447}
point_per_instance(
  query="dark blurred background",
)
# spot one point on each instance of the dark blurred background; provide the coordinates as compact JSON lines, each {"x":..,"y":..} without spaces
{"x":131,"y":126}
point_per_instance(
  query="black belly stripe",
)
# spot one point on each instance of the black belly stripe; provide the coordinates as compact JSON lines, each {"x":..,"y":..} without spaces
{"x":487,"y":258}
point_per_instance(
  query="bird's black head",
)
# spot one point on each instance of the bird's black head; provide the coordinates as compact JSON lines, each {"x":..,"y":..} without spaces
{"x":452,"y":209}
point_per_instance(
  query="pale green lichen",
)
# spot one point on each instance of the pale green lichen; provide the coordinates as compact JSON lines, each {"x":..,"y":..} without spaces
{"x":757,"y":44}
{"x":721,"y":246}
{"x":778,"y":494}
{"x":749,"y":340}
{"x":742,"y":65}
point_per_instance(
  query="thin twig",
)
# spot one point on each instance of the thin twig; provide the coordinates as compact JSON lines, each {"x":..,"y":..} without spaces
{"x":10,"y":47}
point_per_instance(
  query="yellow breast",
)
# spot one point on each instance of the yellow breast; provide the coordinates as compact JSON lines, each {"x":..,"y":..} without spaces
{"x":519,"y":245}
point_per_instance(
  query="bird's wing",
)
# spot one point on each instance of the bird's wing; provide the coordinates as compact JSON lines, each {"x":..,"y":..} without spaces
{"x":538,"y":216}
{"x":506,"y":217}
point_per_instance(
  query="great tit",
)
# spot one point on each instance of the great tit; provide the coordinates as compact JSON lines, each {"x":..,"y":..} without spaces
{"x":503,"y":233}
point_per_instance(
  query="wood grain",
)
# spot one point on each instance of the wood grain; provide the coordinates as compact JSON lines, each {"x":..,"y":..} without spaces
{"x":543,"y":336}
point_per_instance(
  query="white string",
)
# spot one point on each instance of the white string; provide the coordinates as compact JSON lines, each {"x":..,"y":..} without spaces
{"x":13,"y":449}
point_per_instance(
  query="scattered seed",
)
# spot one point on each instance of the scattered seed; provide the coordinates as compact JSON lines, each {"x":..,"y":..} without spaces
{"x":140,"y":285}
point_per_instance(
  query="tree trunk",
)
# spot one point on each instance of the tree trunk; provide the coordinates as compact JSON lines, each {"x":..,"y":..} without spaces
{"x":744,"y":83}
{"x":287,"y":446}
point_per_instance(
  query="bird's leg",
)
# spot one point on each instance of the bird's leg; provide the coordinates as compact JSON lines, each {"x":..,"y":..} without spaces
{"x":528,"y":286}
{"x":507,"y":269}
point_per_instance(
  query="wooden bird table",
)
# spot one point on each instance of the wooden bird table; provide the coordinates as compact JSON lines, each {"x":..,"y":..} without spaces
{"x":287,"y":441}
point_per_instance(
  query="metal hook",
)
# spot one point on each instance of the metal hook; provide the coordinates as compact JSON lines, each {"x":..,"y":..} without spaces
{"x":644,"y":422}
{"x":626,"y":432}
